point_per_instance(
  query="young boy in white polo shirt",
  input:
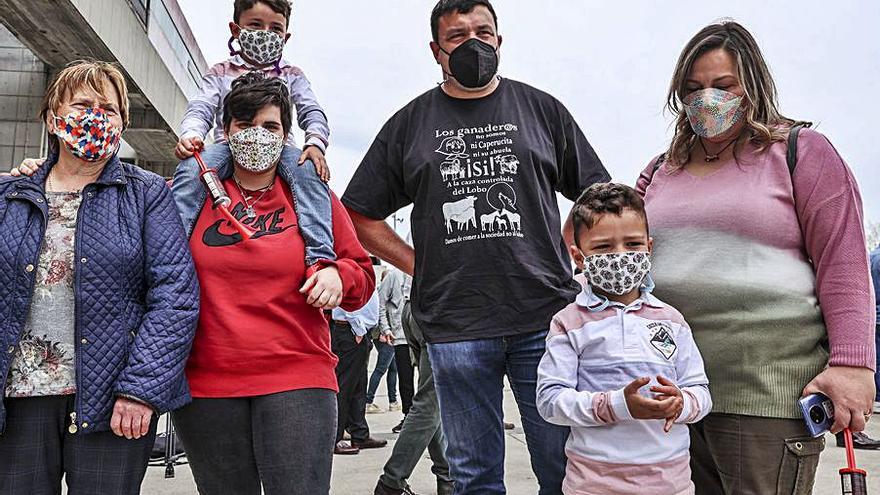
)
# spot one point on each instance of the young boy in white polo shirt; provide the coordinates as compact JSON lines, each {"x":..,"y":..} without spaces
{"x":621,"y":367}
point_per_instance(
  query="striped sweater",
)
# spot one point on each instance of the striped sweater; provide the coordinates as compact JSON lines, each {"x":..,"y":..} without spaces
{"x":770,"y":269}
{"x":595,"y":348}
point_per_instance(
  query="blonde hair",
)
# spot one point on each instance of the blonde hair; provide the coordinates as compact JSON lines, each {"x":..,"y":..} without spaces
{"x":764,"y":124}
{"x":93,"y":75}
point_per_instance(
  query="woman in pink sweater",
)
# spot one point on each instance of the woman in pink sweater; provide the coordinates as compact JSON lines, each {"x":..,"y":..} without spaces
{"x":769,"y":267}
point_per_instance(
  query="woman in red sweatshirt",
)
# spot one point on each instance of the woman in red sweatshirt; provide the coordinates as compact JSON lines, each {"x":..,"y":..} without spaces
{"x":263,"y":415}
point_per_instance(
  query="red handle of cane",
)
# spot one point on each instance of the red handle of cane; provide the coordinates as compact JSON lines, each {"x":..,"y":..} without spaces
{"x":220,"y":199}
{"x":853,"y":481}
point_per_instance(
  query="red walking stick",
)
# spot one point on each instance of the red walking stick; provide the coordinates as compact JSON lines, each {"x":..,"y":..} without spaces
{"x":220,"y":199}
{"x":853,"y":481}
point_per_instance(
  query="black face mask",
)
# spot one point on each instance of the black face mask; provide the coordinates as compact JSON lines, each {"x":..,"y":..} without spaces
{"x":473,"y":63}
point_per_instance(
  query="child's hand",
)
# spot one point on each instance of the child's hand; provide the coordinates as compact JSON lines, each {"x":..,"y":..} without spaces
{"x":186,"y":147}
{"x":324,"y":288}
{"x":29,"y":167}
{"x":660,"y":407}
{"x":314,"y":154}
{"x":666,"y":390}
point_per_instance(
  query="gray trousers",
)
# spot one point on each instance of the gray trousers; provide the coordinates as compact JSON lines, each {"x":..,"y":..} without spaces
{"x":37,"y":450}
{"x":281,"y":443}
{"x":421,"y":428}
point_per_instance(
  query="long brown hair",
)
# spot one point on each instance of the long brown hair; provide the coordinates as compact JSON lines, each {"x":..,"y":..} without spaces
{"x":764,"y":124}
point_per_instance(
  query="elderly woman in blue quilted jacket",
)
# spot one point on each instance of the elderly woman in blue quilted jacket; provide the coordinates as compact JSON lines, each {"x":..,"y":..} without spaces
{"x":98,"y":301}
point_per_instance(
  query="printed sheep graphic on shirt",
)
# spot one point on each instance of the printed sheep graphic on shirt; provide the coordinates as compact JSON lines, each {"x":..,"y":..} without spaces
{"x":509,"y":164}
{"x":462,"y":212}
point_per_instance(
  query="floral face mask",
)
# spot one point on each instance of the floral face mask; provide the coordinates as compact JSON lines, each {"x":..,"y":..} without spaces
{"x":617,"y":273}
{"x":256,"y":149}
{"x":713,"y":111}
{"x":89,"y":134}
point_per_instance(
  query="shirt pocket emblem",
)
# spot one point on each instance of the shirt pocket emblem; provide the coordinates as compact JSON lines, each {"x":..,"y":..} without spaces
{"x":661,"y":339}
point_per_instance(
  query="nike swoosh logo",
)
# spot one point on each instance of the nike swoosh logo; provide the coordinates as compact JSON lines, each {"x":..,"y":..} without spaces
{"x":214,"y":238}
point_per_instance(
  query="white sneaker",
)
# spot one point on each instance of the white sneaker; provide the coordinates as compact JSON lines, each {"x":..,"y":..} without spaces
{"x":394,"y":406}
{"x":374,"y":409}
{"x":876,"y":407}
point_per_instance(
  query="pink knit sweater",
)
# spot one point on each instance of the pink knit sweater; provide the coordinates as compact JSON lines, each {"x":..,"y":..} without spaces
{"x":770,"y":270}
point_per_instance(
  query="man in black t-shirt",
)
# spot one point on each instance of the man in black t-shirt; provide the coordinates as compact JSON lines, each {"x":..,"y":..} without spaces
{"x":481,"y":159}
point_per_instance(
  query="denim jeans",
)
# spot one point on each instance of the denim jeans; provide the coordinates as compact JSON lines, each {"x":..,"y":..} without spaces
{"x":384,"y":364}
{"x":469,"y":378}
{"x":421,"y":427}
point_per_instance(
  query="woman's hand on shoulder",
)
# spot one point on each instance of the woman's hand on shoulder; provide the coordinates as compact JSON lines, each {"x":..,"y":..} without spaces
{"x":28,"y":167}
{"x":324,"y":288}
{"x":851,"y":389}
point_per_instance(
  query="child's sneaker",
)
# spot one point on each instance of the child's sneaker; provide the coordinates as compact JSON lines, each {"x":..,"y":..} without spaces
{"x":374,"y":409}
{"x":394,"y":406}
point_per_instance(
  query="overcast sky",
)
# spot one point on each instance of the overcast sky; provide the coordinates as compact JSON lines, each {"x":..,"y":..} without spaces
{"x":608,"y":62}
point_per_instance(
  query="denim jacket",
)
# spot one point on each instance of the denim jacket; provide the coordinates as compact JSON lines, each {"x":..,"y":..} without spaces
{"x":311,"y":196}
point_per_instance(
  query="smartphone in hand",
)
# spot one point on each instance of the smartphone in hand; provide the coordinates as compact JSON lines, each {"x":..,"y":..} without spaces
{"x":818,"y":411}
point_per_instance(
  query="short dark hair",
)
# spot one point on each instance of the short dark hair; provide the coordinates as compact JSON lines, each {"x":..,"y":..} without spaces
{"x":600,"y":199}
{"x":281,"y":6}
{"x":253,"y":91}
{"x":444,"y":7}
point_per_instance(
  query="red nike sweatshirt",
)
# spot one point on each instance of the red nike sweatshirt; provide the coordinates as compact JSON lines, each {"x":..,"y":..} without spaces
{"x":256,"y":334}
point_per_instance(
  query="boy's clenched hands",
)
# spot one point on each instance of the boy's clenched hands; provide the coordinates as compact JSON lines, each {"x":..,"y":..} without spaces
{"x":667,"y":402}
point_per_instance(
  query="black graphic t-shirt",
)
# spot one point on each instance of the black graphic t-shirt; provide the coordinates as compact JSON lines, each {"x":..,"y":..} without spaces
{"x":482,"y":176}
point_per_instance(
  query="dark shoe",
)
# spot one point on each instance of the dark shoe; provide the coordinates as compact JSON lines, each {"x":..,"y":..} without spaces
{"x":860,"y":441}
{"x":399,"y":426}
{"x":345,"y":448}
{"x":445,"y":487}
{"x":509,"y":426}
{"x":370,"y":443}
{"x":383,"y":489}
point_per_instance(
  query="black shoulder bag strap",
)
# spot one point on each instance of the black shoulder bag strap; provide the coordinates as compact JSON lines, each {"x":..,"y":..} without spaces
{"x":657,"y":164}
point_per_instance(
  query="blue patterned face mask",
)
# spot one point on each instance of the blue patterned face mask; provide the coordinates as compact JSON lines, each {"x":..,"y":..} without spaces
{"x":617,"y":273}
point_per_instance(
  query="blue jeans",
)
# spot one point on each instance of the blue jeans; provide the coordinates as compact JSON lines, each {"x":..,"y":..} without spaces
{"x":469,"y":378}
{"x":385,"y":363}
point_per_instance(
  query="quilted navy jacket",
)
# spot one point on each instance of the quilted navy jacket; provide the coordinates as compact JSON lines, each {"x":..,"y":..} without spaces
{"x":135,"y":286}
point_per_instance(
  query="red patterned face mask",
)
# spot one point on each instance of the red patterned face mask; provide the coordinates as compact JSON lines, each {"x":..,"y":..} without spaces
{"x":88,"y":134}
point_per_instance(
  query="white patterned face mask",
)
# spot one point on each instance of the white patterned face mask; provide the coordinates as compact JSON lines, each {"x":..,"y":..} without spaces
{"x":261,"y":47}
{"x":617,"y":273}
{"x":256,"y":149}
